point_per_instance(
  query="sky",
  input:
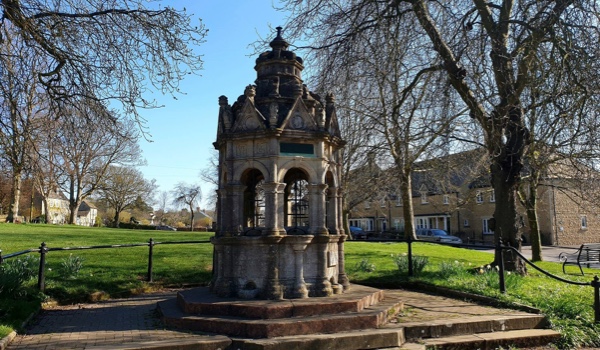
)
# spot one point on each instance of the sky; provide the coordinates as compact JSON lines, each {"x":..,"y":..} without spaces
{"x":182,"y":132}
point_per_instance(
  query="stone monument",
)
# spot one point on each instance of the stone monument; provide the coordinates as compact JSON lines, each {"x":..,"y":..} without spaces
{"x":279,"y":231}
{"x":278,"y":262}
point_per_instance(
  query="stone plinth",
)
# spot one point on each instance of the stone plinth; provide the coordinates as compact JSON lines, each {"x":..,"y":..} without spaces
{"x":277,"y":267}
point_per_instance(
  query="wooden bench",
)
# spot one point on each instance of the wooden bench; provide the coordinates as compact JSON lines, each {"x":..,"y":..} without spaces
{"x":588,"y":254}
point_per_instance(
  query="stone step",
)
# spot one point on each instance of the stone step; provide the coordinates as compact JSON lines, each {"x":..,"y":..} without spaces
{"x":487,"y":341}
{"x":201,"y":301}
{"x":188,"y":343}
{"x":372,"y":317}
{"x":358,"y":339}
{"x":471,"y":325}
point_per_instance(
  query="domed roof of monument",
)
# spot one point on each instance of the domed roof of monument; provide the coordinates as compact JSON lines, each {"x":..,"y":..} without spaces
{"x":280,"y":50}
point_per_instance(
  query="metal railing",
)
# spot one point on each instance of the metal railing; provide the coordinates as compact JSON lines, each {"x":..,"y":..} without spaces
{"x":595,"y":283}
{"x":44,"y":249}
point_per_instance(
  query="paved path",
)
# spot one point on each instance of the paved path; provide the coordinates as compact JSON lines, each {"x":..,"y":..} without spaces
{"x":86,"y":326}
{"x":549,"y":253}
{"x":104,"y":325}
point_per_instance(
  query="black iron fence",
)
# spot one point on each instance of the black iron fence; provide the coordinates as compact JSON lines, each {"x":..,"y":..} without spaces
{"x":499,"y":248}
{"x":44,"y":249}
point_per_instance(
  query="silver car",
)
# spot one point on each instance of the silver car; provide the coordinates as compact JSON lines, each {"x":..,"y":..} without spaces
{"x":437,"y":235}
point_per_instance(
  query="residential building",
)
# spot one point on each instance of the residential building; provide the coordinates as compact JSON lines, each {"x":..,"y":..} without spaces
{"x":455,"y":195}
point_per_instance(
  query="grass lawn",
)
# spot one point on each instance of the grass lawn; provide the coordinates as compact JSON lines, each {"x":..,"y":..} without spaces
{"x":119,"y":272}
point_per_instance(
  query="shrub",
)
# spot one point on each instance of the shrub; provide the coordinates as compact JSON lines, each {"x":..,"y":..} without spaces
{"x":15,"y":273}
{"x":451,"y":269}
{"x":419,"y":263}
{"x":71,"y":266}
{"x":365,"y":266}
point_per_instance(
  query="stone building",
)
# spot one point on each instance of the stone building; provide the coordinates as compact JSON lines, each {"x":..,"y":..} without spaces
{"x":455,"y":195}
{"x":279,"y":231}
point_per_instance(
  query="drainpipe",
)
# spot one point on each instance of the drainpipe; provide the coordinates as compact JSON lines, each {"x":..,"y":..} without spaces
{"x":555,"y":220}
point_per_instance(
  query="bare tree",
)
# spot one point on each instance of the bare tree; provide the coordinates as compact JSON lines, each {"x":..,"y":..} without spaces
{"x":21,"y":107}
{"x":122,"y":187}
{"x":490,"y":51}
{"x":105,"y":50}
{"x":90,"y":142}
{"x":187,"y":195}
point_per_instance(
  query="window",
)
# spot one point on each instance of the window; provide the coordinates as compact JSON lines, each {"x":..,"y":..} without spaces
{"x":367,"y":204}
{"x":493,"y":197}
{"x":382,"y":203}
{"x":398,"y":201}
{"x":446,"y":199}
{"x":479,"y":197}
{"x":424,"y":199}
{"x":584,"y":224}
{"x":486,"y":226}
{"x":421,"y":223}
{"x":466,"y":223}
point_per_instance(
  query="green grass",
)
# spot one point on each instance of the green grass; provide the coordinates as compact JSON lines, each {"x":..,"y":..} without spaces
{"x":121,"y":272}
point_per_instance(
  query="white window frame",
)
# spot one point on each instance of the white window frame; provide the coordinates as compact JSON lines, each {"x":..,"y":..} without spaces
{"x":446,"y":199}
{"x":584,"y":223}
{"x":399,"y":201}
{"x":493,"y":196}
{"x":479,"y":197}
{"x":382,"y":204}
{"x":466,"y":223}
{"x":367,"y":204}
{"x":424,"y":199}
{"x":485,"y":227}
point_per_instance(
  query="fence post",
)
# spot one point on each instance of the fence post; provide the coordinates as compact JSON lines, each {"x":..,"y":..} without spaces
{"x":410,"y":260}
{"x":501,"y":280}
{"x":596,"y":285}
{"x":150,"y":248}
{"x":42,"y":269}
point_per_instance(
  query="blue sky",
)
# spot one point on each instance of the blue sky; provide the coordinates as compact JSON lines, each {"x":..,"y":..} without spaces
{"x":184,"y":129}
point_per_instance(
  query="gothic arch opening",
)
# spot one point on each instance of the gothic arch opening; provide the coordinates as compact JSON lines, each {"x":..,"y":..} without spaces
{"x":296,"y":201}
{"x":254,"y":198}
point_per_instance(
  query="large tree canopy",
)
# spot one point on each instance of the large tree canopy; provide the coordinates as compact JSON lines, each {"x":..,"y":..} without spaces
{"x":492,"y":52}
{"x":111,"y":50}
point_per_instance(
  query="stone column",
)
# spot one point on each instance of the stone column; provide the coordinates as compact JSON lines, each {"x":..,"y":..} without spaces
{"x":317,"y":209}
{"x":342,"y":277}
{"x":322,"y":285}
{"x":299,"y":244}
{"x":222,"y":281}
{"x":332,"y":212}
{"x":236,"y":208}
{"x":273,"y":209}
{"x":273,"y":288}
{"x":340,"y":213}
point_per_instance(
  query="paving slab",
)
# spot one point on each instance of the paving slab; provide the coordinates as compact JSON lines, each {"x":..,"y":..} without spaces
{"x":134,"y":321}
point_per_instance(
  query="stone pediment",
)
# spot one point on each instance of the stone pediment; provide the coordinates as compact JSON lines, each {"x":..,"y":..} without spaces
{"x":299,"y":118}
{"x":249,"y":118}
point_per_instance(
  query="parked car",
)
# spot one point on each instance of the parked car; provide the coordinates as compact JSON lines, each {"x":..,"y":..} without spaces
{"x":437,"y":235}
{"x":166,"y":228}
{"x":358,"y":233}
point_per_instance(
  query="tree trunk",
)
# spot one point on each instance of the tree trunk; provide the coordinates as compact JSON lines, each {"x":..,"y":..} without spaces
{"x":116,"y":218}
{"x":407,"y":210}
{"x":505,"y":176}
{"x":13,"y":209}
{"x":534,"y":230}
{"x":192,"y":218}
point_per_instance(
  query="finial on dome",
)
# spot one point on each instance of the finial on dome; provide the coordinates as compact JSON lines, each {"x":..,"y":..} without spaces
{"x":279,"y":42}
